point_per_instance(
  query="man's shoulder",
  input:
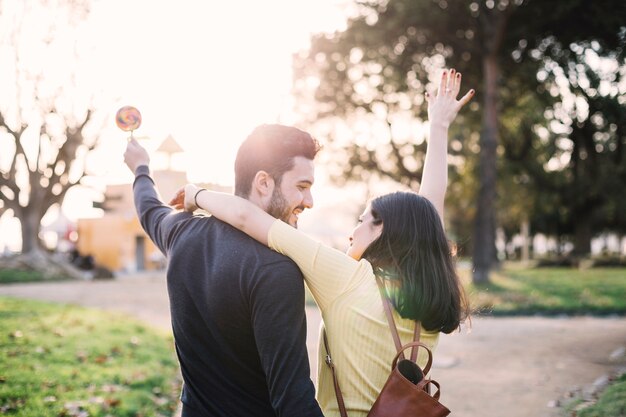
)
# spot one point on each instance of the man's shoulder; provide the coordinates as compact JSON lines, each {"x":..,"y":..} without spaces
{"x":262,"y":253}
{"x":247,"y":247}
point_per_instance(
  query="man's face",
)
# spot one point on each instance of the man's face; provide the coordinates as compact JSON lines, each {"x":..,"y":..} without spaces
{"x":294,"y":193}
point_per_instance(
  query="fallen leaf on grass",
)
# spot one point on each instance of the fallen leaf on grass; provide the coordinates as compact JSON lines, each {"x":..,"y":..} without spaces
{"x":160,"y":401}
{"x":73,"y":409}
{"x":41,"y":350}
{"x":112,"y":402}
{"x":12,"y":405}
{"x":97,"y":400}
{"x":76,"y":322}
{"x":100,"y":359}
{"x":45,"y":384}
{"x":109,"y":388}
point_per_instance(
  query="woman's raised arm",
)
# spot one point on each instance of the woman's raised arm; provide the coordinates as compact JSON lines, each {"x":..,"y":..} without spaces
{"x":442,"y":109}
{"x":236,"y":211}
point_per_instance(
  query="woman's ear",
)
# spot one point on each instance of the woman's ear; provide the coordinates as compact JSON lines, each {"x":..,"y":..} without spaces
{"x":263,"y":183}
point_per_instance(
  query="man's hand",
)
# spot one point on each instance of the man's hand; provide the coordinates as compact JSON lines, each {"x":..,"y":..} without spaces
{"x":135,"y":155}
{"x":185,"y":198}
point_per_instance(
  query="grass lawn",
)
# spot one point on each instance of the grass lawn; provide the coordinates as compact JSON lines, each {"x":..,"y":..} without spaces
{"x":13,"y":276}
{"x":550,"y":291}
{"x":515,"y":290}
{"x":612,"y":402}
{"x":64,"y":361}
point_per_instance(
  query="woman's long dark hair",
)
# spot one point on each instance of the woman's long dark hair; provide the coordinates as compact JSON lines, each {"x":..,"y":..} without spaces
{"x":413,"y":254}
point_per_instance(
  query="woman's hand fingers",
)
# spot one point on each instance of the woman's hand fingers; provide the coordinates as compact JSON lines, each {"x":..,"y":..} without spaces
{"x":443,"y":84}
{"x":456,"y":85}
{"x":178,"y":198}
{"x":443,"y":108}
{"x":450,"y":83}
{"x":466,"y":98}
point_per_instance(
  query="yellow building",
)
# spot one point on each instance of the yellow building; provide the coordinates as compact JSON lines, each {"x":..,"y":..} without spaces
{"x":116,"y":240}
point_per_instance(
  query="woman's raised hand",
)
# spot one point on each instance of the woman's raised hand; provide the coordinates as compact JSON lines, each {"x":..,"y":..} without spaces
{"x":443,"y":107}
{"x":184,"y":198}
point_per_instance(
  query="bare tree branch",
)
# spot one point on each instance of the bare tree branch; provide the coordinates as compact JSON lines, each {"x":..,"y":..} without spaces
{"x":67,"y":157}
{"x":9,"y":203}
{"x":48,"y":175}
{"x":403,"y":171}
{"x":9,"y":179}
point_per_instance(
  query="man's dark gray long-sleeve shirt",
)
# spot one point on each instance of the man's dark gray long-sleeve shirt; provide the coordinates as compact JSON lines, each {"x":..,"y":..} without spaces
{"x":237,"y":313}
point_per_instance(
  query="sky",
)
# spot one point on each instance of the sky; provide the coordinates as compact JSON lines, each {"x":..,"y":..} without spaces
{"x":206,"y":72}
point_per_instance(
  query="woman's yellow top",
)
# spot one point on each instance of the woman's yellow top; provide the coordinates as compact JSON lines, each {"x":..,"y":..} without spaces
{"x":358,"y":334}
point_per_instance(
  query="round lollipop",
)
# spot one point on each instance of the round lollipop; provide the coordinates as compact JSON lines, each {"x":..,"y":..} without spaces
{"x":128,"y":119}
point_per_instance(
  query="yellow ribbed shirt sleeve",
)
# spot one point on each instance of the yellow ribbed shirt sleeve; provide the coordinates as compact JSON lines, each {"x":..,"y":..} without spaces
{"x":327,"y":271}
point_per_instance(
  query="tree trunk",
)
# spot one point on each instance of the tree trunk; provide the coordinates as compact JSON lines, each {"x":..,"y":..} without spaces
{"x":33,"y":256}
{"x":48,"y":265}
{"x":525,"y":232}
{"x":485,"y":224}
{"x":31,"y":223}
{"x":583,"y":232}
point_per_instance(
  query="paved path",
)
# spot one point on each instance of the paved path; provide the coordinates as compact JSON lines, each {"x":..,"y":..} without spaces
{"x":510,"y":367}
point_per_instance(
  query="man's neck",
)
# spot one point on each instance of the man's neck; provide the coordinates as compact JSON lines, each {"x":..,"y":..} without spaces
{"x":256,"y":200}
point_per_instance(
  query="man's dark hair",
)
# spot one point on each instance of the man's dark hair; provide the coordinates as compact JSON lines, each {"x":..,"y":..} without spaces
{"x":271,"y":148}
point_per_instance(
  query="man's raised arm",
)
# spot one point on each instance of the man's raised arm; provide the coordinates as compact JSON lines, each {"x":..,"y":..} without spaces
{"x":154,"y":216}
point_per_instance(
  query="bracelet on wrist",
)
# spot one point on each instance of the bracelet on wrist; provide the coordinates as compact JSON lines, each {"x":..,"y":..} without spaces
{"x":195,"y":197}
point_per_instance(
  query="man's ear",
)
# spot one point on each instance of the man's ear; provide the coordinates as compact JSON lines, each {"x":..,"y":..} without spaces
{"x":263,"y":183}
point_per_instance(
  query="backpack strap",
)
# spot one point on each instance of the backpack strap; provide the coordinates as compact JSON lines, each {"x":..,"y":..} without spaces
{"x":329,"y":362}
{"x":392,"y":323}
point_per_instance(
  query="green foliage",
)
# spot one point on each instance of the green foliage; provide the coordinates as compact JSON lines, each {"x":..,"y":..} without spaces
{"x":552,"y":291}
{"x":67,"y":361}
{"x":15,"y":275}
{"x":371,"y":78}
{"x":612,"y":402}
{"x":577,"y":164}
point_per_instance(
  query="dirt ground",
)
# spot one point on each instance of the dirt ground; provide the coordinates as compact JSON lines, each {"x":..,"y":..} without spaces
{"x":514,"y":367}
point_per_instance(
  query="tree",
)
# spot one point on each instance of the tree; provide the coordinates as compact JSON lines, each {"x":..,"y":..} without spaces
{"x":377,"y":68}
{"x":46,"y":125}
{"x":581,"y":160}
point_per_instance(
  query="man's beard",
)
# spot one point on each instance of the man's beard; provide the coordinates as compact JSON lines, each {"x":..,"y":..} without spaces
{"x":278,"y":207}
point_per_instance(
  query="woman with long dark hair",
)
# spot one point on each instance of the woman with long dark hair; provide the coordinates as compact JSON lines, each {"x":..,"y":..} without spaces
{"x":400,"y":241}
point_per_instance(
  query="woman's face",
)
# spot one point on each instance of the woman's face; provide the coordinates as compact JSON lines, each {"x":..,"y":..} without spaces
{"x":363,"y":234}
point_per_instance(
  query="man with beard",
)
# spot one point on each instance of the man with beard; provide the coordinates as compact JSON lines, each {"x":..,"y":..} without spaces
{"x":237,"y":307}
